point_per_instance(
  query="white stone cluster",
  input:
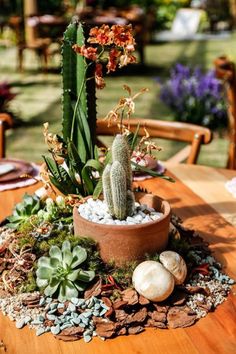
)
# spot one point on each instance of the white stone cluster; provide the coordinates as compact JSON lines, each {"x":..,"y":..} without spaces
{"x":97,"y":212}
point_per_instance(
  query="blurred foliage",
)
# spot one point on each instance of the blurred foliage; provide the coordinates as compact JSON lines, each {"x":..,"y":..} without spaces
{"x":166,"y":10}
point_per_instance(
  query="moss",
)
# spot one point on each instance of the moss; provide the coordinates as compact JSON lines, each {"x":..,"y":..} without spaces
{"x":29,"y":284}
{"x":24,"y":239}
{"x":123,"y":275}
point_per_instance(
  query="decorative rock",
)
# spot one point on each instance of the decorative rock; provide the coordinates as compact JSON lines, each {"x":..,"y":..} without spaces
{"x":97,"y":212}
{"x":153,"y":281}
{"x":55,"y":329}
{"x":20,"y":324}
{"x":175,"y":264}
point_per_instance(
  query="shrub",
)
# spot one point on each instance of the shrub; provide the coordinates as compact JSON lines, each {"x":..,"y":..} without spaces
{"x":195,"y":97}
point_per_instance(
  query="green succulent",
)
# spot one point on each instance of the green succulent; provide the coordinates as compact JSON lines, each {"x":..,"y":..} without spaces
{"x":60,"y":272}
{"x":29,"y":206}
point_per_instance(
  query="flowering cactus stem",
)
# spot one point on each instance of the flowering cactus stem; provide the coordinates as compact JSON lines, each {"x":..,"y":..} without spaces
{"x":78,"y":92}
{"x":106,"y":180}
{"x":119,"y":190}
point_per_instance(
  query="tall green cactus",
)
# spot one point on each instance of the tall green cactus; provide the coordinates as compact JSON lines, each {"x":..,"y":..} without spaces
{"x":79,"y":99}
{"x":117,"y":180}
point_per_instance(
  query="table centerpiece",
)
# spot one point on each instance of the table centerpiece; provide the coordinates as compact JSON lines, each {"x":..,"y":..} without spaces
{"x":55,"y":278}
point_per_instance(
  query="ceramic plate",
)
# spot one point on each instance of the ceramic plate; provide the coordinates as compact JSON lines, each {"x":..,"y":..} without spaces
{"x":21,"y":168}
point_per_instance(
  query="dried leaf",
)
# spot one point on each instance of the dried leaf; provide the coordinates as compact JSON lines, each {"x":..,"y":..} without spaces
{"x":122,"y":331}
{"x":104,"y":328}
{"x":143,"y":301}
{"x":135,"y":330}
{"x":158,"y":316}
{"x":160,"y":308}
{"x":180,"y":317}
{"x":137,"y":317}
{"x":130,"y":295}
{"x":120,"y":315}
{"x":94,"y":289}
{"x":119,"y":304}
{"x":153,"y":323}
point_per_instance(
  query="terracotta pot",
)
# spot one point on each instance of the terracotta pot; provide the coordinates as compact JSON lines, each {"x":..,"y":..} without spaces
{"x":125,"y":243}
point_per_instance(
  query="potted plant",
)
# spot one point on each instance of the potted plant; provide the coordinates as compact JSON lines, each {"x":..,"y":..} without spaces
{"x":75,"y":167}
{"x":125,"y":230}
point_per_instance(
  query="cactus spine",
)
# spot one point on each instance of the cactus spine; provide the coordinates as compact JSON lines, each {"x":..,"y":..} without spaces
{"x":75,"y":71}
{"x":117,"y":180}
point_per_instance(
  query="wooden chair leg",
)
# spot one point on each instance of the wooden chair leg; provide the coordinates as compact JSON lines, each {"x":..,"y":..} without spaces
{"x":45,"y":54}
{"x":2,"y":139}
{"x":196,"y":145}
{"x":20,"y":59}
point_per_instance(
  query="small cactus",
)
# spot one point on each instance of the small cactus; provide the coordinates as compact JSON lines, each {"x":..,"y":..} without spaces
{"x":117,"y":180}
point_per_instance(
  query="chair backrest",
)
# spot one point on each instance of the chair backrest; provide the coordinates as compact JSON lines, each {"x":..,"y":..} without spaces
{"x":192,"y":134}
{"x":5,"y":123}
{"x":226,"y":71}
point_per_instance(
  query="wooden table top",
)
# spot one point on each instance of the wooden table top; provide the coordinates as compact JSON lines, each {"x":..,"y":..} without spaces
{"x":200,"y":199}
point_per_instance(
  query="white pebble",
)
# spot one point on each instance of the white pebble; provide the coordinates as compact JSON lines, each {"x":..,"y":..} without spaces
{"x":97,"y":212}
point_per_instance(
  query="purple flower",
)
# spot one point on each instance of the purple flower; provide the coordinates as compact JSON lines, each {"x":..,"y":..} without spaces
{"x":195,"y":96}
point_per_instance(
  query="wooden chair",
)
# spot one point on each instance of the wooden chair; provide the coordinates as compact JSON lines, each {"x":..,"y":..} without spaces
{"x":225,"y":70}
{"x":27,"y":38}
{"x":6,"y":122}
{"x":192,"y":134}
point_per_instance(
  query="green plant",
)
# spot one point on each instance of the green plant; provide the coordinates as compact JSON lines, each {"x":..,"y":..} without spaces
{"x":79,"y":119}
{"x":60,"y":272}
{"x":29,"y":206}
{"x":117,"y":180}
{"x":81,"y":70}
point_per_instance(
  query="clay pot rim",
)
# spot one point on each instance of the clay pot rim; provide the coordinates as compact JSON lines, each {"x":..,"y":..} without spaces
{"x":127,"y":227}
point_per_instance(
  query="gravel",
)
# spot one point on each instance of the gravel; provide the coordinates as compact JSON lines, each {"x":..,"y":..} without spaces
{"x":97,"y":212}
{"x":218,"y":284}
{"x":77,"y":312}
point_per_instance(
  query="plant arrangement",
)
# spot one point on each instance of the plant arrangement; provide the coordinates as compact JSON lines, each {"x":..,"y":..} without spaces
{"x":77,"y":290}
{"x":195,"y":97}
{"x":82,"y":71}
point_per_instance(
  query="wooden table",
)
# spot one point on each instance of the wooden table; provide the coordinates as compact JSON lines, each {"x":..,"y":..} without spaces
{"x":202,"y":201}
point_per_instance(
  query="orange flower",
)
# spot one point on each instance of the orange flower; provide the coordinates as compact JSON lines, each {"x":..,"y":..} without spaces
{"x":100,"y":82}
{"x":126,"y":59}
{"x":102,"y":35}
{"x":87,"y":52}
{"x":123,"y":35}
{"x":114,"y":54}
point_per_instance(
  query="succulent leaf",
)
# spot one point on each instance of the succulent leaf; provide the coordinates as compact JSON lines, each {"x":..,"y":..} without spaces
{"x":41,"y":283}
{"x":73,"y":275}
{"x":79,"y":256}
{"x":55,"y":252}
{"x":44,"y":272}
{"x":60,"y":271}
{"x":30,"y":205}
{"x":80,"y":286}
{"x":66,"y":246}
{"x":50,"y":290}
{"x":86,"y":275}
{"x":67,"y":257}
{"x":67,"y":291}
{"x":54,"y":262}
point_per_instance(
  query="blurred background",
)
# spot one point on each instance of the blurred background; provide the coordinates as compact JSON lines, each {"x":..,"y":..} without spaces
{"x":177,"y":43}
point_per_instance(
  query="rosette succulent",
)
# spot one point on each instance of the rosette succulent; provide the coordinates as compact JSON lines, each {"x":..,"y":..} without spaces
{"x":60,"y":272}
{"x":29,"y":206}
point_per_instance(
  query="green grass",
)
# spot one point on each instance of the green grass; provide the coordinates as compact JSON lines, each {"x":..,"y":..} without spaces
{"x":39,"y":94}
